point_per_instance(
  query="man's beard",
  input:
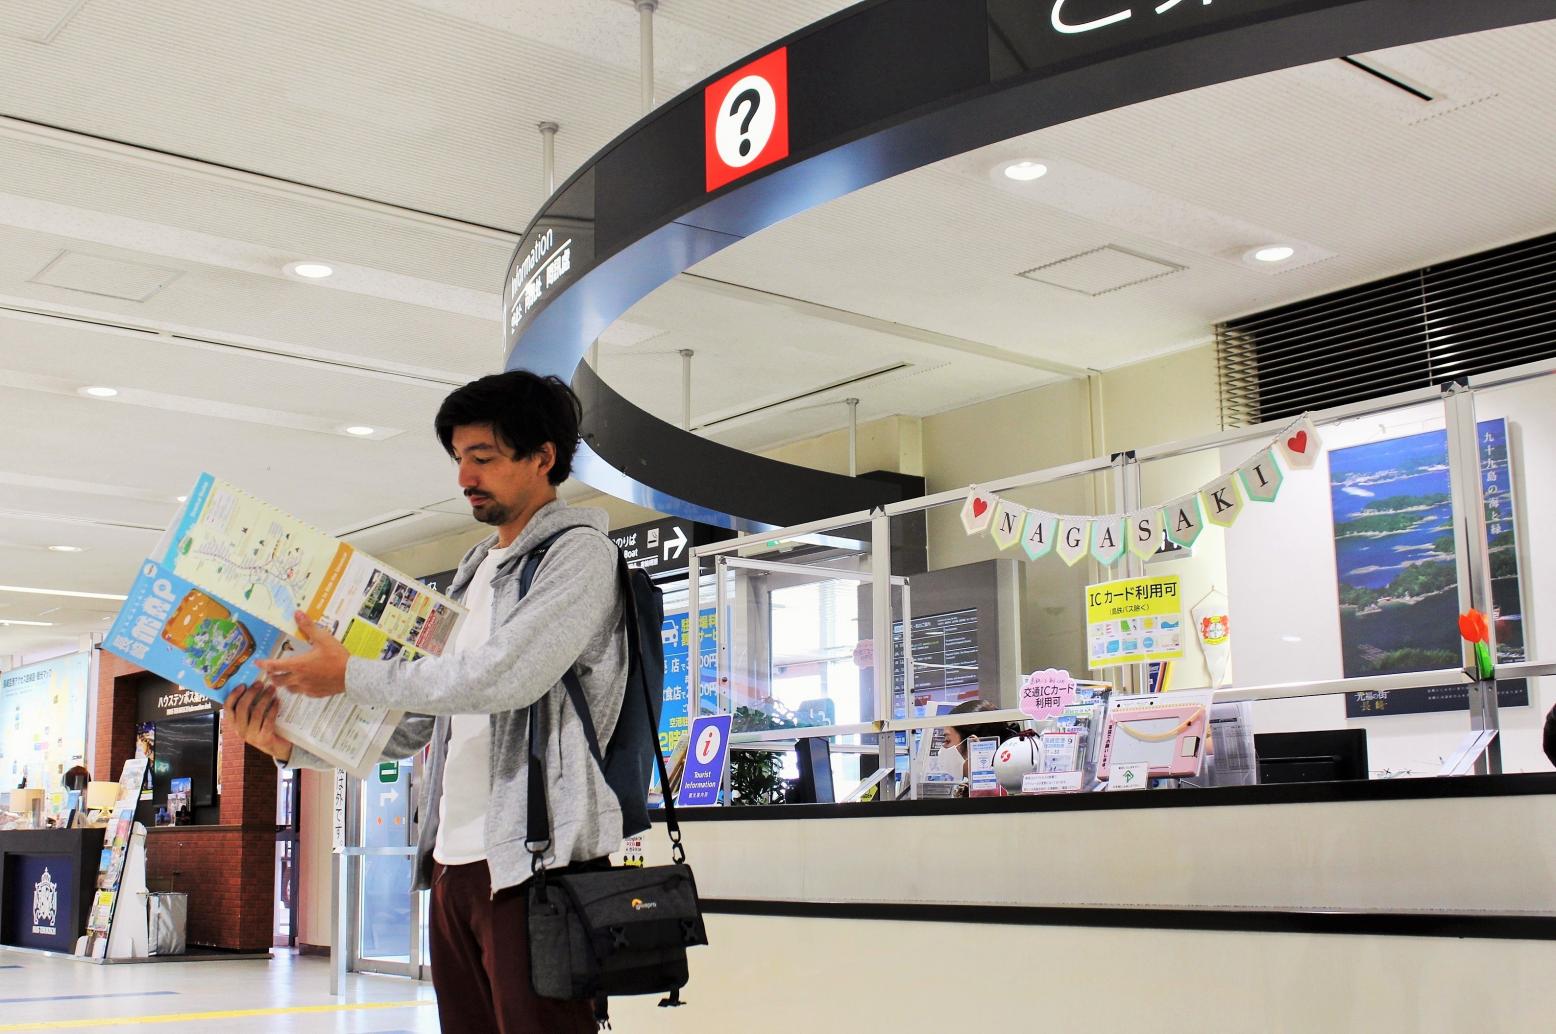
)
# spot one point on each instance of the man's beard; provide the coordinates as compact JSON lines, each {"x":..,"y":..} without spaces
{"x":493,"y":513}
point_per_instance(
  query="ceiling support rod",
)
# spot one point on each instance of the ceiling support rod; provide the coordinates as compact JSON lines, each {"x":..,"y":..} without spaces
{"x":646,"y":9}
{"x":686,"y":388}
{"x":548,"y":131}
{"x":853,"y":436}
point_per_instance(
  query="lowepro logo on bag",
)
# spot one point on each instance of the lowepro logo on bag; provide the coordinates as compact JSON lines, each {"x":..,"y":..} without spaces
{"x":639,"y":905}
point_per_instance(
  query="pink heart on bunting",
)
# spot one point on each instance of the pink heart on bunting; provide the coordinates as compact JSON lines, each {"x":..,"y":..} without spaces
{"x":1297,"y":443}
{"x":980,"y":507}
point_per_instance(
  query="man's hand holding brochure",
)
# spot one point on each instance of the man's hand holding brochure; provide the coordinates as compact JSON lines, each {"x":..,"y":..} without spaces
{"x":224,"y":592}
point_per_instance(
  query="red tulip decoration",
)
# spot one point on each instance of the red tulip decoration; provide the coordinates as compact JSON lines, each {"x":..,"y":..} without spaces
{"x":1473,"y":627}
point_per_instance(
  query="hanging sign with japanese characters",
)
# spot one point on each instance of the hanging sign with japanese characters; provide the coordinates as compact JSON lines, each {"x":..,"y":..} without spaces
{"x":1134,"y":620}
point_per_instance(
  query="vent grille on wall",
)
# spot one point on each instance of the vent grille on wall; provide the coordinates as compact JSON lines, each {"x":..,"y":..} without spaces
{"x":1472,"y":315}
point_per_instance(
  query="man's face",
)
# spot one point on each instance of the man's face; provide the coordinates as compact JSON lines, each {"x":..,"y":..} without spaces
{"x":499,"y":485}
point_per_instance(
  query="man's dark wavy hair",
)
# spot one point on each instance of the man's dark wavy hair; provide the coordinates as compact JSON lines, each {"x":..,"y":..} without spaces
{"x":525,"y":411}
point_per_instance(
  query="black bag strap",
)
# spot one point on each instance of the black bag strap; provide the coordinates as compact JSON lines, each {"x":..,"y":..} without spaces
{"x":539,"y":818}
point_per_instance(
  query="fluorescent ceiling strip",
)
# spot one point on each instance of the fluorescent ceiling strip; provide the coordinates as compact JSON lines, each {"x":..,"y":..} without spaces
{"x":63,"y":592}
{"x":30,"y":624}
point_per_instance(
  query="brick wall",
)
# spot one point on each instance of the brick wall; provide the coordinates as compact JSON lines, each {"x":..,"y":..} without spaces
{"x":228,"y":873}
{"x":228,"y":870}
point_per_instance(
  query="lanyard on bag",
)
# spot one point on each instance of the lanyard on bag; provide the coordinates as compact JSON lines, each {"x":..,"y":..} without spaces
{"x":538,"y":831}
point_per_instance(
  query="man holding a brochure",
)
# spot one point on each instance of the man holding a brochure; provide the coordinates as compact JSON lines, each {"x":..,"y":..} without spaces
{"x":512,"y":436}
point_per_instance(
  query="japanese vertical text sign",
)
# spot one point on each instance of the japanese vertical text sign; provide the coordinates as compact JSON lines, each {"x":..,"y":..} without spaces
{"x":1134,"y":620}
{"x":747,"y":125}
{"x":706,"y":761}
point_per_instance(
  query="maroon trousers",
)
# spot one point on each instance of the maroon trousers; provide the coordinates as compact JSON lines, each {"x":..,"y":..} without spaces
{"x":480,"y":961}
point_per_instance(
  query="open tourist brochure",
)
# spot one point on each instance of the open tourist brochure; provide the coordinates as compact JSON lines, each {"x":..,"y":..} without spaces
{"x":220,"y":592}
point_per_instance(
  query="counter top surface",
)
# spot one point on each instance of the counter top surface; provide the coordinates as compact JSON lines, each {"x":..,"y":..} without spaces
{"x":1516,"y":785}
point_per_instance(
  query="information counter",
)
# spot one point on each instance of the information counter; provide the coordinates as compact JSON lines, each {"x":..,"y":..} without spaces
{"x":1407,"y":904}
{"x":47,"y":878}
{"x":1372,"y":855}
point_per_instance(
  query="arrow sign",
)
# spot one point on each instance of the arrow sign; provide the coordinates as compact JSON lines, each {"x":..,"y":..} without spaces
{"x":676,"y":548}
{"x":388,"y":797}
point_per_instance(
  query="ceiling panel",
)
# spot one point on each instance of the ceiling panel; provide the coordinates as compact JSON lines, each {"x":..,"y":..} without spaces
{"x":397,"y":140}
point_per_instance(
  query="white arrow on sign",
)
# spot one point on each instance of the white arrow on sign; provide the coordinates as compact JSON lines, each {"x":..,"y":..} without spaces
{"x":388,"y":797}
{"x":676,"y":548}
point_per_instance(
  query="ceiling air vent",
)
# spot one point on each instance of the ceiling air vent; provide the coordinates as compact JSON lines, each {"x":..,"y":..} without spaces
{"x":1469,"y":316}
{"x":104,"y":277}
{"x":1101,"y":271}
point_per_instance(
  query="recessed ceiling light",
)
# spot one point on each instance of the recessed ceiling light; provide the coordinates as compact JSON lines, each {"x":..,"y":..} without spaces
{"x":1273,"y":253}
{"x":1291,"y":639}
{"x":98,"y":391}
{"x":181,"y":498}
{"x":1025,"y":171}
{"x":66,"y":549}
{"x":360,"y":430}
{"x":310,"y":270}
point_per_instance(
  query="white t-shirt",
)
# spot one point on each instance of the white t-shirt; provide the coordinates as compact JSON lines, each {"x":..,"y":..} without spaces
{"x":467,"y":772}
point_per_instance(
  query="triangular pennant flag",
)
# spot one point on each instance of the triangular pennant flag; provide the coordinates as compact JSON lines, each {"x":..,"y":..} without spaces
{"x":1038,"y":533}
{"x":1262,"y":477}
{"x":1223,"y":503}
{"x":1300,"y":445}
{"x":1182,"y":521}
{"x":978,"y":511}
{"x":1074,"y":539}
{"x":1006,"y":529}
{"x":1144,"y":531}
{"x":1107,"y":539}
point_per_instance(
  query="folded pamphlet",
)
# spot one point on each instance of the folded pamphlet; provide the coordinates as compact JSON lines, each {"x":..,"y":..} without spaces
{"x":220,"y":593}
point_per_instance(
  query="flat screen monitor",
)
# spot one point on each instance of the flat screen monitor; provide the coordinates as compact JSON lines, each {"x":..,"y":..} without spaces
{"x":1322,"y":756}
{"x":814,"y":756}
{"x":185,"y":749}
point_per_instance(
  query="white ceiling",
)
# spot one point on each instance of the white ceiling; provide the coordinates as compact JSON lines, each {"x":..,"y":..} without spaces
{"x":182,"y":153}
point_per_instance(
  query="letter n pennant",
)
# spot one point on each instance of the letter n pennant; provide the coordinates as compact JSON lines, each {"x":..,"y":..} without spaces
{"x":1006,"y":530}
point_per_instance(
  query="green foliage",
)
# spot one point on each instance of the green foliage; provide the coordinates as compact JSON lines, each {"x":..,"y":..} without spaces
{"x":1417,"y":581}
{"x":756,"y":776}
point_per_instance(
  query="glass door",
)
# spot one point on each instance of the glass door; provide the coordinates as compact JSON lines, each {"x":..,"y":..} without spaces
{"x":389,"y":916}
{"x":288,"y":808}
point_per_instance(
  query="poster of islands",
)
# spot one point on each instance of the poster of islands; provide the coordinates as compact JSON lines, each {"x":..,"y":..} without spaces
{"x":1395,"y":562}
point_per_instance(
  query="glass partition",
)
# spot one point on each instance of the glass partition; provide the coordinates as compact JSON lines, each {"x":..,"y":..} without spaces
{"x":1318,"y":589}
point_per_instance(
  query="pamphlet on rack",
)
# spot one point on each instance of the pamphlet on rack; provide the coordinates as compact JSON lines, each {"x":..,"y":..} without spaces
{"x":219,"y":595}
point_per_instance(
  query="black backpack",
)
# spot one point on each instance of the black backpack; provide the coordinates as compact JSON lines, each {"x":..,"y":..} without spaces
{"x":628,"y":760}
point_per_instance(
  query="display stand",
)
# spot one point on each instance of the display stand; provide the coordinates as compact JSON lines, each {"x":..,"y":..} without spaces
{"x":128,"y":937}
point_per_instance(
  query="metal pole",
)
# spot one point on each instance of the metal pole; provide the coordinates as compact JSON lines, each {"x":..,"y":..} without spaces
{"x":686,"y":388}
{"x":548,"y":131}
{"x":725,"y":628}
{"x":646,"y":9}
{"x":853,"y":436}
{"x":880,"y":634}
{"x":342,"y":925}
{"x":1471,"y":554}
{"x":694,"y":633}
{"x":1126,"y":489}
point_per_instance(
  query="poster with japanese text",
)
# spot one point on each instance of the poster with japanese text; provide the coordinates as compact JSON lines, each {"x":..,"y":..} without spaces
{"x":1134,"y":620}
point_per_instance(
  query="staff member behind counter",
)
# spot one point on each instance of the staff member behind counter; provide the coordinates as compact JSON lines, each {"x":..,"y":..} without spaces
{"x":953,"y":753}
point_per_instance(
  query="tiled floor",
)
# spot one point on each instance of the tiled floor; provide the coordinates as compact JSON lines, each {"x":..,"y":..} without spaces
{"x":287,"y":994}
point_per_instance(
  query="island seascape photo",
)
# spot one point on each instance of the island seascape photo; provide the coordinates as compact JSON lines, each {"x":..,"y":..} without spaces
{"x":1395,"y":558}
